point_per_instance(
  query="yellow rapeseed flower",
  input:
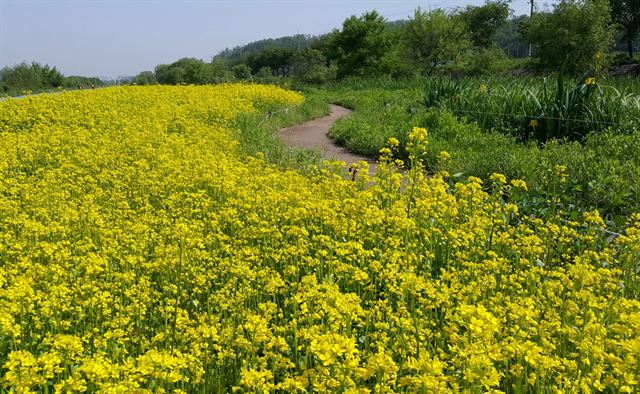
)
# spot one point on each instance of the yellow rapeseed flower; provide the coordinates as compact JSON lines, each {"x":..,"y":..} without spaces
{"x":144,"y":250}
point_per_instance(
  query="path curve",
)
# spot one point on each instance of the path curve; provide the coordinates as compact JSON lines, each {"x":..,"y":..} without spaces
{"x":314,"y":135}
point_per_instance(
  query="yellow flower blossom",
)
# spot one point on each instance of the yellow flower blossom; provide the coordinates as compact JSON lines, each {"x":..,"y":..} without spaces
{"x":143,"y":250}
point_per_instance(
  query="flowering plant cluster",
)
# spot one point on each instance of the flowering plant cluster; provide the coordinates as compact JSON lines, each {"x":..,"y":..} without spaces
{"x":140,"y":251}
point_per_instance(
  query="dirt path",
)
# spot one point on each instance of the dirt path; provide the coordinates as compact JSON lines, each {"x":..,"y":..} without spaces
{"x":314,"y":135}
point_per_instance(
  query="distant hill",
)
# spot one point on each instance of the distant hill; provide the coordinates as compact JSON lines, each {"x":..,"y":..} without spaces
{"x":298,"y":41}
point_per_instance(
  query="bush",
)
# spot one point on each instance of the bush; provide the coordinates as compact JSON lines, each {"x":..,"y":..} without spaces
{"x":602,"y":171}
{"x":538,"y":109}
{"x":572,"y":35}
{"x":481,"y":61}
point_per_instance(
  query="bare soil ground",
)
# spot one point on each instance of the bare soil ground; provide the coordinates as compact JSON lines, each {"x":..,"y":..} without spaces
{"x":314,"y":135}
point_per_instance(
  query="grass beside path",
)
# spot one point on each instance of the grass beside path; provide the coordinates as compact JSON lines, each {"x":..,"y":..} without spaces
{"x":258,"y":133}
{"x":601,"y":172}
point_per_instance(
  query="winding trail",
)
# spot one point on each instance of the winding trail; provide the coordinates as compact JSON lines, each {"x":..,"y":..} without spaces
{"x":314,"y":135}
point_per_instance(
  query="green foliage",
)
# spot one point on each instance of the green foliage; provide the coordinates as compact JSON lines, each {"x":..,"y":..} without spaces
{"x":537,"y":109}
{"x":626,"y":14}
{"x":361,"y":45}
{"x":462,"y":42}
{"x":192,"y":71}
{"x":279,"y":60}
{"x":145,"y":78}
{"x":481,"y":61}
{"x":80,"y":82}
{"x":31,"y":77}
{"x":35,"y":78}
{"x":572,"y":35}
{"x":195,"y":71}
{"x":310,"y":67}
{"x":509,"y":37}
{"x":241,"y":53}
{"x":483,"y":21}
{"x":264,"y":72}
{"x":241,"y":71}
{"x":602,"y":171}
{"x":433,"y":38}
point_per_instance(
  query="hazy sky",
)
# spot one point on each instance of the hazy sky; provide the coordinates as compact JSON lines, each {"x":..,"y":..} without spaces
{"x":117,"y":38}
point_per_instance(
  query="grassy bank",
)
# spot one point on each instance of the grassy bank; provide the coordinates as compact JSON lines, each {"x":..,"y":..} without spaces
{"x":258,"y":133}
{"x":601,"y":170}
{"x":143,"y":250}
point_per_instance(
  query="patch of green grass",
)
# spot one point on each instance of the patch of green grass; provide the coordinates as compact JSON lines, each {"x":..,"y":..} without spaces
{"x":540,"y":109}
{"x":258,"y":133}
{"x":602,"y":169}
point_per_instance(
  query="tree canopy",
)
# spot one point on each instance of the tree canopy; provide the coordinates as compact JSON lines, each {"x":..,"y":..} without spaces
{"x":572,"y":35}
{"x":626,"y":14}
{"x":483,"y":21}
{"x":361,"y":45}
{"x":434,"y":37}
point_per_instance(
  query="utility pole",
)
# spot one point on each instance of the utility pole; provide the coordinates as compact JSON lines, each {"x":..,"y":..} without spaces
{"x":530,"y":19}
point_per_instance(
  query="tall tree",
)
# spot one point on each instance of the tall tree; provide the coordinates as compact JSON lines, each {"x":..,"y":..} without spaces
{"x":434,"y":37}
{"x":509,"y":37}
{"x":310,"y":66}
{"x":626,"y":14}
{"x":483,"y":21}
{"x":145,"y":78}
{"x":276,"y":58}
{"x":361,"y":45}
{"x":191,"y":71}
{"x":32,"y":76}
{"x":572,"y":35}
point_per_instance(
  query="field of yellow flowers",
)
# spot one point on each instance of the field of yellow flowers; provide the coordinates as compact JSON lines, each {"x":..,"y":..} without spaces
{"x":142,"y":251}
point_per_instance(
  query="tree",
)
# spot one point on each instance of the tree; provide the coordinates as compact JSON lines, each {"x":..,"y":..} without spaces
{"x":510,"y":39}
{"x":572,"y":35}
{"x":327,"y":46}
{"x":277,"y":59}
{"x":264,"y":73}
{"x":168,"y":75}
{"x":145,"y":78}
{"x":190,"y":71}
{"x":361,"y":45}
{"x":32,"y":76}
{"x":626,"y":14}
{"x":434,"y":37}
{"x":195,"y":71}
{"x":218,"y":71}
{"x":75,"y":81}
{"x":241,"y":71}
{"x":484,"y":21}
{"x":239,"y":54}
{"x":310,"y":66}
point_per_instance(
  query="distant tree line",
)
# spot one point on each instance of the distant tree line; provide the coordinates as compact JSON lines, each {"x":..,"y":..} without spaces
{"x":572,"y":36}
{"x":35,"y":77}
{"x":239,"y":53}
{"x":575,"y":36}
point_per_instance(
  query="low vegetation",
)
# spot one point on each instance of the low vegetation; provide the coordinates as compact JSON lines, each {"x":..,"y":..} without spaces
{"x":24,"y":79}
{"x":488,"y":125}
{"x":162,"y":239}
{"x":144,"y":250}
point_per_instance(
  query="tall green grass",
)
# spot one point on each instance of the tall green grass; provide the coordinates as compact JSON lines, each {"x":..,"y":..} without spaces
{"x":602,"y":167}
{"x":550,"y":108}
{"x":258,"y":133}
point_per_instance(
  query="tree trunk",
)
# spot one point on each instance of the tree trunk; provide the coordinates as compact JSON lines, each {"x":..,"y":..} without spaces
{"x":630,"y":47}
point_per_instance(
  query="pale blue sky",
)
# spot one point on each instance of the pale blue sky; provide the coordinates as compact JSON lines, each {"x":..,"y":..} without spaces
{"x":116,"y":38}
